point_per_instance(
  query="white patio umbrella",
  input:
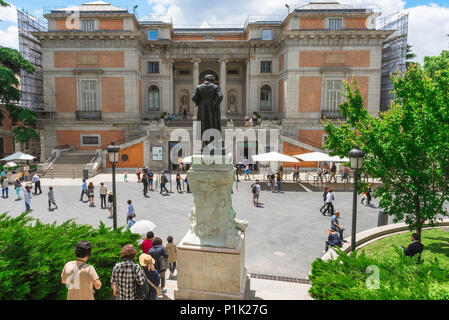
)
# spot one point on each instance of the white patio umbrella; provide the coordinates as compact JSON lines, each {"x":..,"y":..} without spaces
{"x":274,"y":156}
{"x":10,"y":165}
{"x":18,"y":156}
{"x":142,"y":227}
{"x":320,"y":157}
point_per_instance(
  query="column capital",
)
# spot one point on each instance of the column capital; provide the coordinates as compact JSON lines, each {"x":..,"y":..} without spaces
{"x":225,"y":60}
{"x":195,"y":60}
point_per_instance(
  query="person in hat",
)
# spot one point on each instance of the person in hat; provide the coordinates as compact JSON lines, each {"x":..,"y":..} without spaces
{"x":110,"y":204}
{"x":147,"y":262}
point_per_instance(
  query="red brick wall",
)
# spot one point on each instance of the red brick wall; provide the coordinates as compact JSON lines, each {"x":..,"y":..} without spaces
{"x":111,"y":24}
{"x":281,"y":96}
{"x":113,"y":94}
{"x":73,"y":137}
{"x":309,"y":94}
{"x":106,"y":59}
{"x":292,"y":150}
{"x":311,"y":23}
{"x":318,"y":58}
{"x":65,"y":94}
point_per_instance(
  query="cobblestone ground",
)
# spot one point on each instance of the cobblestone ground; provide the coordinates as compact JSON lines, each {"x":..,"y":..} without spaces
{"x":285,"y":234}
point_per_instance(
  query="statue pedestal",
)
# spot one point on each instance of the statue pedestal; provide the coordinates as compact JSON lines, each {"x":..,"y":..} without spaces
{"x":208,"y":273}
{"x":211,"y":256}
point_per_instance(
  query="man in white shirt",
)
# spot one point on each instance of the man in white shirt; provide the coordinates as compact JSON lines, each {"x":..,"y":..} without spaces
{"x":329,"y":199}
{"x":37,"y":184}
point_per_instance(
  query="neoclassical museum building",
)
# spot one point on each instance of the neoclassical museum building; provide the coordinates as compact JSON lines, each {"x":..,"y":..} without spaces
{"x":108,"y":76}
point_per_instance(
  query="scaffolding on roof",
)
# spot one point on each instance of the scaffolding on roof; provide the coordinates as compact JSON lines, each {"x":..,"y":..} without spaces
{"x":394,"y":53}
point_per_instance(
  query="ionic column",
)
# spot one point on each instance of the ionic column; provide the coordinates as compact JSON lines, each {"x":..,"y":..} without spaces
{"x":172,"y":87}
{"x":223,"y":107}
{"x":196,"y":80}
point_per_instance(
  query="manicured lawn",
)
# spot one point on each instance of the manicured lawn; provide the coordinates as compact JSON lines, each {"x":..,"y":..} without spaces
{"x":436,"y":244}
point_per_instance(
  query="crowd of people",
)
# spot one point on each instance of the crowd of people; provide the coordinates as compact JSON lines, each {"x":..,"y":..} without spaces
{"x":129,"y":280}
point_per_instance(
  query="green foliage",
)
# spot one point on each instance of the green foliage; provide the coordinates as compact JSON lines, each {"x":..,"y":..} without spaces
{"x":437,"y":63}
{"x":11,"y":63}
{"x":400,"y":278}
{"x":406,"y":146}
{"x":33,"y":255}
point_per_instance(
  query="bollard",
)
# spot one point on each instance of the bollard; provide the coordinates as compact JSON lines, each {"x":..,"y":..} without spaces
{"x":382,"y":219}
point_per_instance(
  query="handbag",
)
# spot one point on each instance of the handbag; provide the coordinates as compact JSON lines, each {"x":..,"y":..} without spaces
{"x":142,"y":290}
{"x":158,"y":290}
{"x":161,"y":264}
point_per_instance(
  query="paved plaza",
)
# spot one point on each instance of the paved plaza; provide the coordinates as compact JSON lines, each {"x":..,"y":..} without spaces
{"x":285,"y":234}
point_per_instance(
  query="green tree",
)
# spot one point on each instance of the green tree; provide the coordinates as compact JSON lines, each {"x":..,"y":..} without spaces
{"x":410,"y":55}
{"x":11,"y":63}
{"x":406,"y":147}
{"x":437,"y":63}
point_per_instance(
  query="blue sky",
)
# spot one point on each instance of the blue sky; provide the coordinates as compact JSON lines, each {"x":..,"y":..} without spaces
{"x":428,"y":20}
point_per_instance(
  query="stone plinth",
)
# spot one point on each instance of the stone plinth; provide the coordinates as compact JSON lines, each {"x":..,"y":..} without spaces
{"x":210,"y":273}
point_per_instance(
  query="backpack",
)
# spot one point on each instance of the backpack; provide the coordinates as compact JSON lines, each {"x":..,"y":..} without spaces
{"x":142,"y":290}
{"x":254,"y":188}
{"x":161,"y":264}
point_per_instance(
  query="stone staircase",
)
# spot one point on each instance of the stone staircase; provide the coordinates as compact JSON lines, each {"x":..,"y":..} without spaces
{"x":70,"y":165}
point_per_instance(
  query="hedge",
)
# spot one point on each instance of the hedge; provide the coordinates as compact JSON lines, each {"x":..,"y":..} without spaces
{"x":400,"y":278}
{"x":33,"y":254}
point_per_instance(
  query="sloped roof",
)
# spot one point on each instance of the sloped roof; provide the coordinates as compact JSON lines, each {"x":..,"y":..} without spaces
{"x":94,"y":6}
{"x":322,"y":6}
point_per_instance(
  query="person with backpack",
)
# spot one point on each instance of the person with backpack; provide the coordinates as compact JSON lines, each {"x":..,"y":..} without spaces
{"x":151,"y":275}
{"x":178,"y":182}
{"x":255,"y":189}
{"x":130,"y":215}
{"x":164,"y":180}
{"x":159,"y":254}
{"x":80,"y":277}
{"x":110,"y":204}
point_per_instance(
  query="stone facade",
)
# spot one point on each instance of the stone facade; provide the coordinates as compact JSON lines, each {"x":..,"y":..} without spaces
{"x":140,"y":69}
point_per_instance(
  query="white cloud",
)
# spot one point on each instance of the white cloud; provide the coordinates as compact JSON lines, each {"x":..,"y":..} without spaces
{"x":8,"y":14}
{"x":10,"y":37}
{"x":427,"y":30}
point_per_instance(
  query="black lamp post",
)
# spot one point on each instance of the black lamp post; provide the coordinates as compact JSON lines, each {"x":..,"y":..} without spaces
{"x":113,"y":154}
{"x":356,"y":158}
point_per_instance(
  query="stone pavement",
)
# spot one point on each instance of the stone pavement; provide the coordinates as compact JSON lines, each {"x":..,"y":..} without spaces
{"x":285,"y":234}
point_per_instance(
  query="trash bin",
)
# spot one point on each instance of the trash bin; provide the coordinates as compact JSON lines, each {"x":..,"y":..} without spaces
{"x":86,"y":174}
{"x":382,"y":220}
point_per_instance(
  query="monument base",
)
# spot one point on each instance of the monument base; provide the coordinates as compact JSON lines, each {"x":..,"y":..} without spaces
{"x":210,"y":273}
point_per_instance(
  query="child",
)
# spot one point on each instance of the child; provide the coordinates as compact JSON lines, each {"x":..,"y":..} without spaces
{"x":125,"y":176}
{"x":51,"y":198}
{"x":130,"y":215}
{"x":172,"y":252}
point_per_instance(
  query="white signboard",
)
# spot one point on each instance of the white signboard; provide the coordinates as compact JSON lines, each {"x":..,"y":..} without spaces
{"x":157,"y":153}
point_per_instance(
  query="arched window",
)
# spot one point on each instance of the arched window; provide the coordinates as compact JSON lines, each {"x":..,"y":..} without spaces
{"x":154,"y":101}
{"x":265,"y":98}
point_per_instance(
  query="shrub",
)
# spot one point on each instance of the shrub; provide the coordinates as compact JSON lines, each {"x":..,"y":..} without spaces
{"x":400,"y":278}
{"x":33,"y":254}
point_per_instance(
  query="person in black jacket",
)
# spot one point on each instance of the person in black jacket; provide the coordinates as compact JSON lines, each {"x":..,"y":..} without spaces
{"x":159,"y":253}
{"x":416,"y":247}
{"x":324,"y":200}
{"x":145,"y":182}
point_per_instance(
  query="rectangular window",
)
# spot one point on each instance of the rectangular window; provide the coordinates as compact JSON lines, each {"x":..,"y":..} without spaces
{"x":335,"y":24}
{"x":153,"y":67}
{"x":93,"y":140}
{"x":334,"y":89}
{"x":184,"y":72}
{"x":88,"y":25}
{"x":233,"y":71}
{"x":152,"y":35}
{"x":265,"y":66}
{"x":266,"y":34}
{"x":89,"y":95}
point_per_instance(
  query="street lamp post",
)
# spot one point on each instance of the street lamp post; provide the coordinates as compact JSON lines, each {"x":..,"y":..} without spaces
{"x":113,"y":154}
{"x":356,"y":158}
